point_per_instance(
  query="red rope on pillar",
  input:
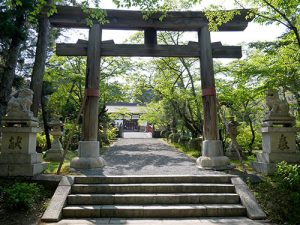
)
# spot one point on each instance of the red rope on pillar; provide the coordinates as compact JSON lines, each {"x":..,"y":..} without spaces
{"x":208,"y":92}
{"x":92,"y":92}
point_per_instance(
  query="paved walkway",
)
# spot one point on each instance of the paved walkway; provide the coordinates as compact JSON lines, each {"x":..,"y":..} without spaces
{"x":146,"y":156}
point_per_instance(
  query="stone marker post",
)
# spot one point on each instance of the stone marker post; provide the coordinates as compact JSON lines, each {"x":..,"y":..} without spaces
{"x":55,"y":153}
{"x":278,"y":136}
{"x":18,"y":155}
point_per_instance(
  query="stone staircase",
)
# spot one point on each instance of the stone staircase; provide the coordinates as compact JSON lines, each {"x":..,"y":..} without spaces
{"x":153,"y":197}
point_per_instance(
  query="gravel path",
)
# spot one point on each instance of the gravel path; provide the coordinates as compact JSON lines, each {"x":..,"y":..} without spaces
{"x":146,"y":156}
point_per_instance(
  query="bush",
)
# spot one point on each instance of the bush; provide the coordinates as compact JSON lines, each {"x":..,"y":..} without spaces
{"x":41,"y":142}
{"x":112,"y":133}
{"x":288,"y":176}
{"x":195,"y":143}
{"x":184,"y":139}
{"x":22,"y":195}
{"x":279,"y":195}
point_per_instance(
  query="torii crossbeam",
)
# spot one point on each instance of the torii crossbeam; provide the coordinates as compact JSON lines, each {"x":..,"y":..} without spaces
{"x":95,"y":48}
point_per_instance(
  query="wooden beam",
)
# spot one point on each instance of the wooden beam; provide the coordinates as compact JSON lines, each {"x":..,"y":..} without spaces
{"x":150,"y":37}
{"x":73,"y":17}
{"x":191,"y":50}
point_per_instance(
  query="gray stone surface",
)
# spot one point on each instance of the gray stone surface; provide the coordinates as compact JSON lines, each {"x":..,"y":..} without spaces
{"x":161,"y":221}
{"x":279,"y":144}
{"x":58,"y":201}
{"x":88,"y":156}
{"x":213,"y":156}
{"x":143,"y":156}
{"x":254,"y":211}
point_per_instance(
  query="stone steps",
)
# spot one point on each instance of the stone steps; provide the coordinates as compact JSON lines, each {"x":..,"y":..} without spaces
{"x":168,"y":199}
{"x":153,"y":179}
{"x":154,"y":211}
{"x":153,"y":197}
{"x":153,"y":188}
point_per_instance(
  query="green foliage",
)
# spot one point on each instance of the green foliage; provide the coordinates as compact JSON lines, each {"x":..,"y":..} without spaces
{"x":52,"y":166}
{"x":22,"y":195}
{"x":244,"y":137}
{"x":288,"y":176}
{"x":280,"y":195}
{"x":41,"y":142}
{"x":217,"y":16}
{"x":97,"y":14}
{"x":112,"y":133}
{"x":194,"y":153}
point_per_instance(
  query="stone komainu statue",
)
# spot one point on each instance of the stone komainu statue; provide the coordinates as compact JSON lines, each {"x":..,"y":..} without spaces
{"x":277,"y":107}
{"x":22,"y":103}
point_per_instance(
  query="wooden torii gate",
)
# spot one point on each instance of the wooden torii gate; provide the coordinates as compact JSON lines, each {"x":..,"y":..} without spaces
{"x":95,"y":48}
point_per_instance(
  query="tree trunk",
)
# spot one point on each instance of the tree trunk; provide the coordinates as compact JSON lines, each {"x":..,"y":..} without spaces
{"x":8,"y":75}
{"x":45,"y":121}
{"x":39,"y":62}
{"x":250,"y":145}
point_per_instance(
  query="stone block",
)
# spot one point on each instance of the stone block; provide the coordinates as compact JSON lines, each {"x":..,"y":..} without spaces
{"x":20,"y":158}
{"x":66,"y":181}
{"x":88,"y":156}
{"x":213,"y":156}
{"x":254,"y":211}
{"x":279,"y":139}
{"x":19,"y":139}
{"x":220,"y":162}
{"x":26,"y":169}
{"x":265,"y":168}
{"x":278,"y":157}
{"x":54,"y":155}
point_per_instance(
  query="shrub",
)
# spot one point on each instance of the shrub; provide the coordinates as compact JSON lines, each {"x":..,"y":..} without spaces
{"x":195,"y":143}
{"x":41,"y":142}
{"x":22,"y":195}
{"x":279,"y":195}
{"x":288,"y":176}
{"x":112,"y":133}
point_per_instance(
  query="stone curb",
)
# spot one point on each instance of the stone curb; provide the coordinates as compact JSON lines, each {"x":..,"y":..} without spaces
{"x":53,"y":212}
{"x":254,"y":211}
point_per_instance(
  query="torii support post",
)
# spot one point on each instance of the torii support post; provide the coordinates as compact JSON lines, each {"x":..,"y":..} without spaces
{"x":88,"y":152}
{"x":212,"y":149}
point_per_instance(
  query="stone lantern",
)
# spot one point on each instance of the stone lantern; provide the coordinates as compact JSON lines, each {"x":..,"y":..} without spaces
{"x":56,"y":152}
{"x":232,"y":130}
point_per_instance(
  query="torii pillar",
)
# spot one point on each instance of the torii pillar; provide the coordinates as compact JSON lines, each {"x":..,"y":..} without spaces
{"x":212,"y":149}
{"x":88,"y":149}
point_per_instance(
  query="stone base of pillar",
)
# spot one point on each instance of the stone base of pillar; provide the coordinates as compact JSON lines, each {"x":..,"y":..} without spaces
{"x":213,"y":156}
{"x":88,"y":156}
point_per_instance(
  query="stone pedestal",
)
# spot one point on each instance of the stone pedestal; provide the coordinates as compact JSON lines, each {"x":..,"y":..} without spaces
{"x":88,"y":156}
{"x":18,"y":155}
{"x":212,"y":156}
{"x":279,"y":144}
{"x":55,"y":153}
